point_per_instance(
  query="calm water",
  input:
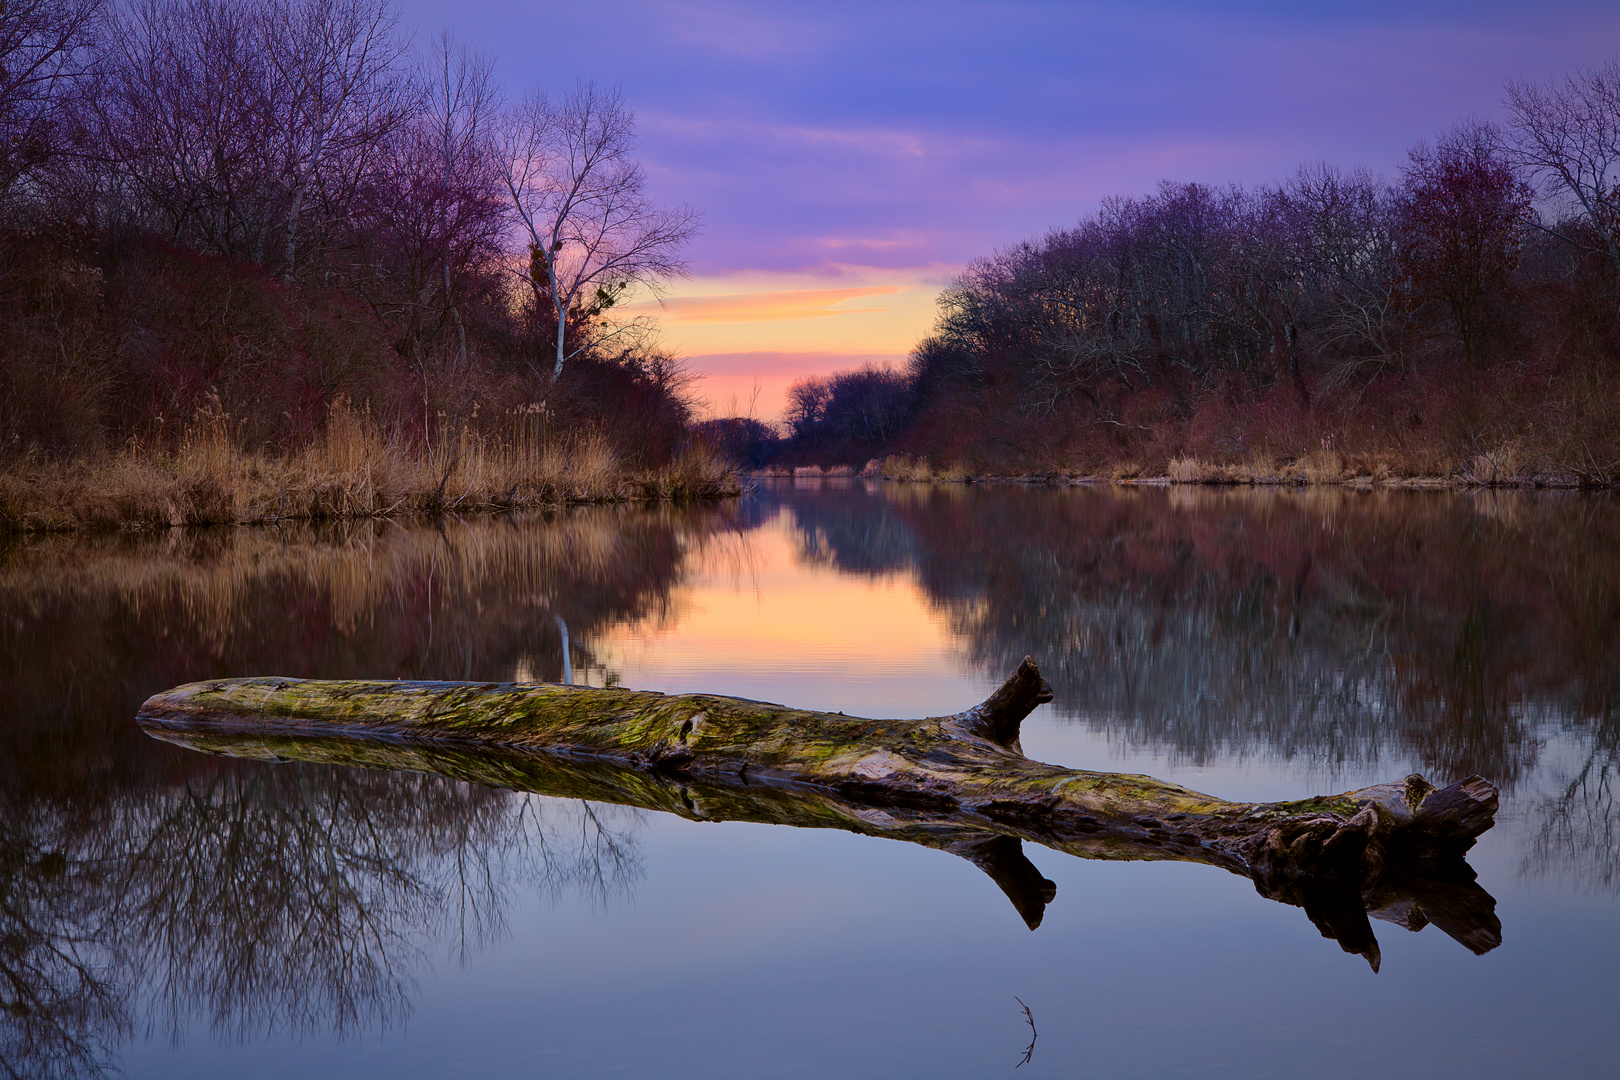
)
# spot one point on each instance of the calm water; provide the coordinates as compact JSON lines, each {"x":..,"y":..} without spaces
{"x":166,"y":913}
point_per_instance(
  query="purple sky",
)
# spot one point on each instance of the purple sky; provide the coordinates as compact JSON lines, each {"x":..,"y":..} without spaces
{"x":869,"y":145}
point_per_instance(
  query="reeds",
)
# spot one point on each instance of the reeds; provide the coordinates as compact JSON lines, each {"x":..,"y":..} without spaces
{"x":1501,"y":467}
{"x":1323,"y":465}
{"x":1505,"y":466}
{"x":353,"y":470}
{"x":901,"y":467}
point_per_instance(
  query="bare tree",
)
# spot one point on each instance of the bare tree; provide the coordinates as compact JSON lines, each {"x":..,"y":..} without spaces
{"x":1342,"y":235}
{"x":1464,"y":216}
{"x":44,"y":50}
{"x":1567,"y":135}
{"x":235,"y":119}
{"x":337,"y":63}
{"x":186,"y":116}
{"x":578,"y":200}
{"x":437,"y":216}
{"x":462,"y":107}
{"x":807,"y":401}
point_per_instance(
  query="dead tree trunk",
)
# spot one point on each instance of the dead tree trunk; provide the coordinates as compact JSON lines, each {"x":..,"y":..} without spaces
{"x":956,"y":782}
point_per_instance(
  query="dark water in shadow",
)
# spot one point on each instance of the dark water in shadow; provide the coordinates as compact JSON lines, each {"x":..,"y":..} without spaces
{"x":166,"y":912}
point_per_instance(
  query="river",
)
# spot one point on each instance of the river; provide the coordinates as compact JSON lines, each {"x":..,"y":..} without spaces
{"x":167,"y":913}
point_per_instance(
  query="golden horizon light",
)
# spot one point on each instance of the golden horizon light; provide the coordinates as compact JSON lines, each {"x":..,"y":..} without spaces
{"x":751,"y":335}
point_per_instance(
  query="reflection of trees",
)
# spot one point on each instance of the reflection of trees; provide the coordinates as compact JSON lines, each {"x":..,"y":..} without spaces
{"x":1579,"y":833}
{"x":137,"y":887}
{"x":594,"y":858}
{"x":853,"y":532}
{"x":62,"y":1009}
{"x":287,"y":899}
{"x":1325,"y":627}
{"x":272,"y":899}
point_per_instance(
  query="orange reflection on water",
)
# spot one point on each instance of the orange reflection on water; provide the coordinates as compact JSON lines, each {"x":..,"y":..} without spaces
{"x":748,"y":613}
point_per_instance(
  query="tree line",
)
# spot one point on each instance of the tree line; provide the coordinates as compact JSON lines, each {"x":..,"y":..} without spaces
{"x":257,"y":199}
{"x":1210,"y":319}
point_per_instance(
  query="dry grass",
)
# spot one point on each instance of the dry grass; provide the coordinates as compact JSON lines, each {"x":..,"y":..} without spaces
{"x":355,"y":470}
{"x":1503,"y":467}
{"x":1190,"y":470}
{"x":1325,"y":465}
{"x":901,"y":467}
{"x":1124,"y":471}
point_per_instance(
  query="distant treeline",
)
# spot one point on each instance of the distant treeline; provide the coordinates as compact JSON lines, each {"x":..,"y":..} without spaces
{"x":258,"y":209}
{"x":1461,"y":320}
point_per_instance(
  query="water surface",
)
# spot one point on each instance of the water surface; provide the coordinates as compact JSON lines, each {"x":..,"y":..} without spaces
{"x":169,"y":913}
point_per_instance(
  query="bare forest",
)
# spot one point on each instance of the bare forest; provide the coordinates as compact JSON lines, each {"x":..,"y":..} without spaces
{"x":1457,"y":322}
{"x":281,"y":258}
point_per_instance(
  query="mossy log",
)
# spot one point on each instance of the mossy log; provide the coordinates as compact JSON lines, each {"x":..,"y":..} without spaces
{"x":959,"y":782}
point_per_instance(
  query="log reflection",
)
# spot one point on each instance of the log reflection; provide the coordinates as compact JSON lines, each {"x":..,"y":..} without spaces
{"x":1437,"y":890}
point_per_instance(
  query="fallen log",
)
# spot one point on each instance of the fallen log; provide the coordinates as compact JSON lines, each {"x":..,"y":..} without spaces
{"x":959,"y":782}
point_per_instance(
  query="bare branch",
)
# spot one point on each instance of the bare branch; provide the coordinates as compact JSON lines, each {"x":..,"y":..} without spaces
{"x":579,"y":207}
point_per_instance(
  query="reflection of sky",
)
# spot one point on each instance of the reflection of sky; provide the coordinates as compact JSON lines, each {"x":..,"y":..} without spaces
{"x":778,"y":630}
{"x":844,"y":145}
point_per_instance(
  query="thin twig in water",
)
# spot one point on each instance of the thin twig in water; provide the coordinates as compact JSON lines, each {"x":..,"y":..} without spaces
{"x":1029,"y":1018}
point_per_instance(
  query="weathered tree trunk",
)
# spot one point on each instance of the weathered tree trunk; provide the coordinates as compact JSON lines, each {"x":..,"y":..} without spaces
{"x":957,"y":782}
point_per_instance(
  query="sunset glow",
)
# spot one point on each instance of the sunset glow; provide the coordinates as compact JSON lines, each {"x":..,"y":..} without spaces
{"x":767,"y":330}
{"x":761,"y":606}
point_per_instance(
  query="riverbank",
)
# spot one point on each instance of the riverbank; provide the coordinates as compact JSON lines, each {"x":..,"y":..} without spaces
{"x":1499,"y":469}
{"x":351,"y":472}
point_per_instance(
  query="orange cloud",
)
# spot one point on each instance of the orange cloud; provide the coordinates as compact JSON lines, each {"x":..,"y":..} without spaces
{"x":765,"y":306}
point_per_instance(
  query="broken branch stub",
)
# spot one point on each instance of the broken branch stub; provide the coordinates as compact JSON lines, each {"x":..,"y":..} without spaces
{"x":1001,"y":715}
{"x":959,"y":782}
